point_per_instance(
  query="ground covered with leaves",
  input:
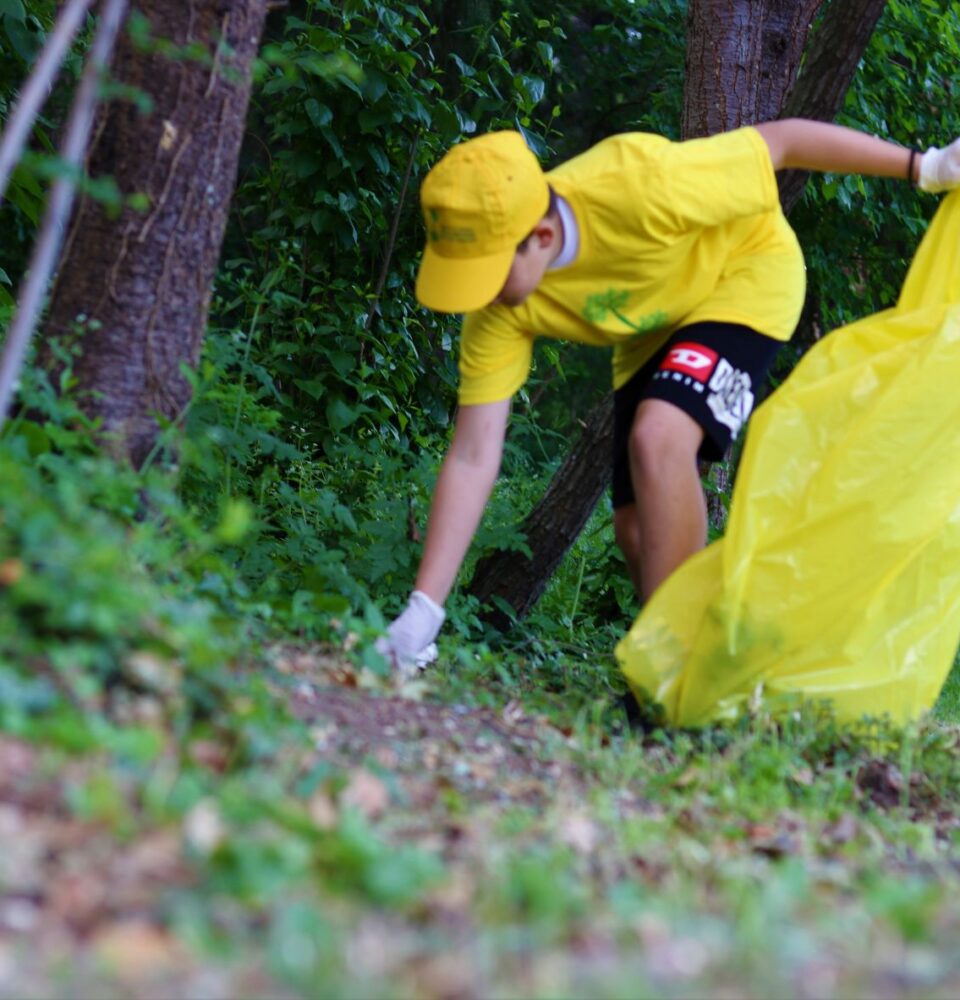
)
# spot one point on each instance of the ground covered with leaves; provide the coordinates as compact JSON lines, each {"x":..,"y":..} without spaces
{"x":447,"y":838}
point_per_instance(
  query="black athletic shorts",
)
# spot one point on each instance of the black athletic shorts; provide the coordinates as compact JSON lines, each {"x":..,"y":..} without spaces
{"x":713,"y":372}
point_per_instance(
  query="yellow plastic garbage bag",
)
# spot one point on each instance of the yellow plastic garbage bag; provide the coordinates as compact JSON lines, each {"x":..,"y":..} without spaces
{"x":839,"y":576}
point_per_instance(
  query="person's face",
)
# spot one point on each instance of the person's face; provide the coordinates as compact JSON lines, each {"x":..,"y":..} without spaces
{"x":530,"y":264}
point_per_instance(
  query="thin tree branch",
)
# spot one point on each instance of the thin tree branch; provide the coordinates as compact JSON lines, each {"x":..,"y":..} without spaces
{"x":37,"y":87}
{"x":45,"y":251}
{"x":392,"y":238}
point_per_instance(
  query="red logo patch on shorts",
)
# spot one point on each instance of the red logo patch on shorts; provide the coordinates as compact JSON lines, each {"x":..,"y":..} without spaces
{"x":691,"y":359}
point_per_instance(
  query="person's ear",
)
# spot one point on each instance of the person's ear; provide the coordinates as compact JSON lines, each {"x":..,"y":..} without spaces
{"x":544,"y":233}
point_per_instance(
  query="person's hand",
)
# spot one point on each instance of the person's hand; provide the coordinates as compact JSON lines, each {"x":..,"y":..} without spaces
{"x":409,"y":640}
{"x":940,"y":168}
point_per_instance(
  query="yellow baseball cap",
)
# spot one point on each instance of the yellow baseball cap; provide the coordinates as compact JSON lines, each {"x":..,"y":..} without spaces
{"x":479,"y":202}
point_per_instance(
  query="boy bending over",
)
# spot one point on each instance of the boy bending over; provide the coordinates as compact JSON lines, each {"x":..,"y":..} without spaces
{"x":677,"y":255}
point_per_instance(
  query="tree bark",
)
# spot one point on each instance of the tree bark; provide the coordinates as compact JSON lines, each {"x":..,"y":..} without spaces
{"x":134,"y":286}
{"x":742,"y":61}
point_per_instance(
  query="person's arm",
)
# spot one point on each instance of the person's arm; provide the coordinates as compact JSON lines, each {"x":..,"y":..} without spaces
{"x":810,"y":145}
{"x":463,"y":487}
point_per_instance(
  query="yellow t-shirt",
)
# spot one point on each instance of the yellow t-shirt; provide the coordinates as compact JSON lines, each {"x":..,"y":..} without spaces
{"x":671,"y":233}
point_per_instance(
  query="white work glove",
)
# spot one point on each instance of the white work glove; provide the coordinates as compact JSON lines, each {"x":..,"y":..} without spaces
{"x":940,"y":168}
{"x":409,"y":643}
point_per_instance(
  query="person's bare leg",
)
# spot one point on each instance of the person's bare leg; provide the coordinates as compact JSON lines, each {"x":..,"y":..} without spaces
{"x":671,"y":509}
{"x":626,"y":530}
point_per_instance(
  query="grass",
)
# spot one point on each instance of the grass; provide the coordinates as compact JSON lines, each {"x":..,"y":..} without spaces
{"x":499,"y":832}
{"x":947,"y":708}
{"x":186,"y":813}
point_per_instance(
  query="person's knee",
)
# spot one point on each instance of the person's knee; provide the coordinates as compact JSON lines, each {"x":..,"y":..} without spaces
{"x":661,"y":435}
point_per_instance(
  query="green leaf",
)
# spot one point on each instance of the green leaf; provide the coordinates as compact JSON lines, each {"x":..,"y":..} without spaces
{"x":343,"y":363}
{"x":533,"y":87}
{"x":235,"y":522}
{"x":24,"y":42}
{"x":340,"y":415}
{"x":38,"y":441}
{"x":406,"y":62}
{"x":318,"y":113}
{"x":315,"y":388}
{"x":465,"y":68}
{"x":347,"y":80}
{"x":379,"y":158}
{"x":375,"y":85}
{"x":370,"y":121}
{"x":545,"y":51}
{"x":466,"y":123}
{"x":333,"y":141}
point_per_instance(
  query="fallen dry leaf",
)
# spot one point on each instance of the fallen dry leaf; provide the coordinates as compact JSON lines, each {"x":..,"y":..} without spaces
{"x":773,"y":842}
{"x":842,"y":831}
{"x":209,"y":754}
{"x":366,"y":793}
{"x":155,"y":673}
{"x":203,"y":827}
{"x":153,"y":856}
{"x":882,"y":781}
{"x":21,"y":916}
{"x":431,"y":755}
{"x":135,"y":949}
{"x":456,"y":892}
{"x":322,"y":736}
{"x":11,"y":570}
{"x":22,"y":850}
{"x":411,"y":688}
{"x":79,"y":899}
{"x":322,"y":811}
{"x":688,"y":777}
{"x":513,"y":713}
{"x":444,"y":977}
{"x":581,"y":833}
{"x":483,"y":771}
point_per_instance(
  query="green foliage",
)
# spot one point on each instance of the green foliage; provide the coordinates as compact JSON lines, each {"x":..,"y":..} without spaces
{"x":326,"y":392}
{"x":110,"y":589}
{"x":325,"y":395}
{"x":23,"y":30}
{"x":859,"y":234}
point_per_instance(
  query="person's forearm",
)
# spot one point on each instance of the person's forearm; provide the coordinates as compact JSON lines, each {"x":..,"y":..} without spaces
{"x":796,"y":143}
{"x":459,"y":498}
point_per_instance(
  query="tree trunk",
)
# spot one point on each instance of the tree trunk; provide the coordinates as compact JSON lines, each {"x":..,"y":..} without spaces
{"x":742,"y":60}
{"x":134,"y":285}
{"x":740,"y":66}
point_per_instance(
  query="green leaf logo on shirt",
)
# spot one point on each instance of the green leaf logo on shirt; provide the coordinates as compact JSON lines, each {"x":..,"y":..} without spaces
{"x":611,"y":301}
